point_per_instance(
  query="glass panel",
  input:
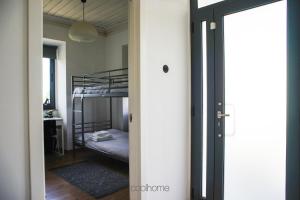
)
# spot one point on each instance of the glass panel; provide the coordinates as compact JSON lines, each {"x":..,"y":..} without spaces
{"x":204,"y":116}
{"x":46,"y":80}
{"x":255,"y":92}
{"x":203,"y":3}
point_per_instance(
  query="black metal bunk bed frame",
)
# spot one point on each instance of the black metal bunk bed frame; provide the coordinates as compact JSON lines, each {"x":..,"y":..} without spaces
{"x":109,"y":81}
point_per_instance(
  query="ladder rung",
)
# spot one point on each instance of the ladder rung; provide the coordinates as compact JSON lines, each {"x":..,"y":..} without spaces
{"x":77,"y":111}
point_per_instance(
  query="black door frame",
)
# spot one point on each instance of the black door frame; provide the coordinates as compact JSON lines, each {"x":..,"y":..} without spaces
{"x":197,"y":96}
{"x":293,"y":99}
{"x":215,"y":145}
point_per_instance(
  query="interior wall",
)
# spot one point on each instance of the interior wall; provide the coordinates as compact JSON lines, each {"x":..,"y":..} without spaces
{"x":61,"y":84}
{"x":113,"y":49}
{"x":14,"y":136}
{"x":114,"y":60}
{"x":81,"y":58}
{"x":165,"y":97}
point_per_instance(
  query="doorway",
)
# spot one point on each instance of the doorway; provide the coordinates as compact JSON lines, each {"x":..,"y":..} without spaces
{"x":239,"y":97}
{"x":35,"y":35}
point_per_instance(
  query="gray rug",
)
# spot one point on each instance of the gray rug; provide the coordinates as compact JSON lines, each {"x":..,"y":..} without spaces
{"x":93,"y":178}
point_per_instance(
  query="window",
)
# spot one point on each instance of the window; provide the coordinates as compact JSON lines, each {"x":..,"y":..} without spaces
{"x":49,"y":77}
{"x":49,"y":83}
{"x":203,"y":3}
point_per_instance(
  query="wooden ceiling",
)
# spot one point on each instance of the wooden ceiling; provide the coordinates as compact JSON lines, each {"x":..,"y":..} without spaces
{"x":106,"y":15}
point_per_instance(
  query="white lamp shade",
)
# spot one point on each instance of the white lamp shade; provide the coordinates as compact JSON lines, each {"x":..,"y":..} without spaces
{"x":83,"y":32}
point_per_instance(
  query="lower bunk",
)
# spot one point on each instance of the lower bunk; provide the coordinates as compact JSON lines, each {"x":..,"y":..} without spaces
{"x":115,"y":145}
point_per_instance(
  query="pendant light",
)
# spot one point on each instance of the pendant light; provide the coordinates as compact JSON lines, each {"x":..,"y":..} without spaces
{"x":83,"y":31}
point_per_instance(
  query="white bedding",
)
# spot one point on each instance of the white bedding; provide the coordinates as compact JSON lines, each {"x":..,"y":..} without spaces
{"x":101,"y":89}
{"x":116,"y":148}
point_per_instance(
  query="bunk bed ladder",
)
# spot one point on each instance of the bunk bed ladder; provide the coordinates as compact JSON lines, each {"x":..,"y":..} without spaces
{"x":82,"y":121}
{"x":73,"y":120}
{"x":82,"y":114}
{"x":110,"y":112}
{"x":81,"y":110}
{"x":110,"y":100}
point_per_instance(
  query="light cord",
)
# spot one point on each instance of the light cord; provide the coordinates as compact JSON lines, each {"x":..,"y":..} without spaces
{"x":83,"y":12}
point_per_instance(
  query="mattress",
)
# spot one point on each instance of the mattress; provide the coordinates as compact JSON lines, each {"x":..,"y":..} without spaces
{"x":116,"y":148}
{"x":100,"y":90}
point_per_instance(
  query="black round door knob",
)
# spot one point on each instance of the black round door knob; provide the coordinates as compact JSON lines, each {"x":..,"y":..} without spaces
{"x":166,"y":68}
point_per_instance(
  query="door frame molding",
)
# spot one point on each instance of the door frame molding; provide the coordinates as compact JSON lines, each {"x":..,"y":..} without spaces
{"x":293,"y":99}
{"x":204,"y":14}
{"x":35,"y":108}
{"x":293,"y":96}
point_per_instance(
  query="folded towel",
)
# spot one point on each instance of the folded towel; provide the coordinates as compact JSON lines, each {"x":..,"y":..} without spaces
{"x":101,"y":133}
{"x":100,"y":139}
{"x":100,"y":136}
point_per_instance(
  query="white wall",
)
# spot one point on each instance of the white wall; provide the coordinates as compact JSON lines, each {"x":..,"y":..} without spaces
{"x":14,"y":142}
{"x":81,"y":58}
{"x":113,"y":60}
{"x":113,"y":49}
{"x":61,"y":83}
{"x":165,"y":103}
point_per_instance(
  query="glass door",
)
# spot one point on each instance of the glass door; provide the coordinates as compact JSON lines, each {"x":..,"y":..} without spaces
{"x":239,"y":91}
{"x":251,"y":101}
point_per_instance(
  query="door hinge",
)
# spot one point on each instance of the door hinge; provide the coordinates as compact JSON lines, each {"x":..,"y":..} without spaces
{"x":193,"y":111}
{"x":213,"y":25}
{"x":192,"y":27}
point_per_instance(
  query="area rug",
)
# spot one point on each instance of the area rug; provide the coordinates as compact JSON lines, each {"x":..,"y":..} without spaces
{"x":93,"y":178}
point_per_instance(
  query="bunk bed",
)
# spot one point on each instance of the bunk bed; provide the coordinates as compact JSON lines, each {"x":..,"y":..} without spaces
{"x":107,"y":84}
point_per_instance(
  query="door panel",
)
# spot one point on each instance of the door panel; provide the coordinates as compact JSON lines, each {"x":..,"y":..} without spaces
{"x":241,"y":72}
{"x":255,"y":98}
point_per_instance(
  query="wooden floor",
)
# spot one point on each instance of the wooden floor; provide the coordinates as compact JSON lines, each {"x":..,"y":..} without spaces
{"x":59,"y":189}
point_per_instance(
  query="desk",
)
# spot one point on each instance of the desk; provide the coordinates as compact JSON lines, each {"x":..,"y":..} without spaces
{"x":59,"y":125}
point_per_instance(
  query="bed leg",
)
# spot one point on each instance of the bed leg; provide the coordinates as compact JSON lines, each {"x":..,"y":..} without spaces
{"x":74,"y":153}
{"x":110,"y":112}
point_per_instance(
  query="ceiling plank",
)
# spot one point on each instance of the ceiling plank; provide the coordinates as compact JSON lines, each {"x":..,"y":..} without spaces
{"x":117,"y":15}
{"x":106,"y":15}
{"x":45,"y":2}
{"x":51,"y":4}
{"x":93,"y":4}
{"x":106,"y":12}
{"x":74,"y":8}
{"x":107,"y":4}
{"x":54,"y":9}
{"x":69,"y":5}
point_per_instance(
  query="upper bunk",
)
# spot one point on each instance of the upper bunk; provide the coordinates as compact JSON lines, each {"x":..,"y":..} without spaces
{"x":112,"y":83}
